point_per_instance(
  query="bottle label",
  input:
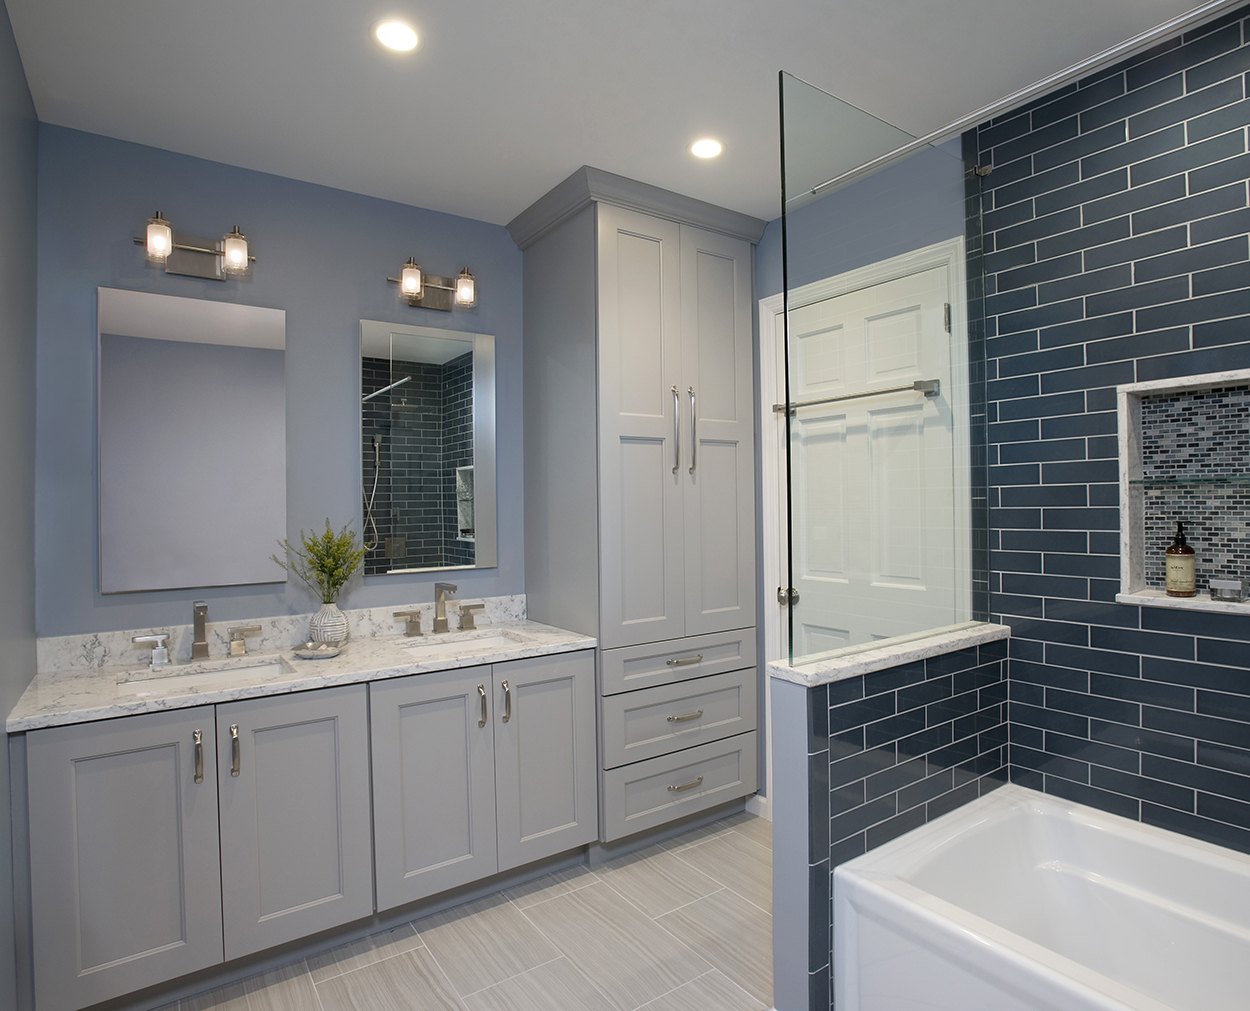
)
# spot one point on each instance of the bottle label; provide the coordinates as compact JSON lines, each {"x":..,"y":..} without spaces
{"x":1180,"y":573}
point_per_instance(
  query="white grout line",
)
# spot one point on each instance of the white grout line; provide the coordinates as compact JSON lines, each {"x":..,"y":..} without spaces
{"x":516,"y":975}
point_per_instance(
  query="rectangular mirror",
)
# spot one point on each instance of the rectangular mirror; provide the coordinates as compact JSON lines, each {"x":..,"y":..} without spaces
{"x":192,"y":442}
{"x":427,"y":437}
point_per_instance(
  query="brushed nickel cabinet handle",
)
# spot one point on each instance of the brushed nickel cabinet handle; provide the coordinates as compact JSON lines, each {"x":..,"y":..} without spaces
{"x":686,"y":717}
{"x":507,"y":702}
{"x":234,"y":750}
{"x":684,"y":661}
{"x":199,"y":756}
{"x":481,"y":693}
{"x":697,"y":781}
{"x":694,"y":431}
{"x":676,"y":430}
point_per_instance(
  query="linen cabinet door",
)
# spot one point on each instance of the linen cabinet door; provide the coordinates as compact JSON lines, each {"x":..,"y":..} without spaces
{"x":718,"y":471}
{"x":125,"y":879}
{"x":546,"y":764}
{"x":433,"y":783}
{"x":640,"y":426}
{"x":293,"y":774}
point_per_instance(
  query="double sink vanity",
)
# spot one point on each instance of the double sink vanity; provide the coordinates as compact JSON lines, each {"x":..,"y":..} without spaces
{"x":178,"y":819}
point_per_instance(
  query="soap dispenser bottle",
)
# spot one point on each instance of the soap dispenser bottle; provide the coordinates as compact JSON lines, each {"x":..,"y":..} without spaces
{"x":1180,"y":580}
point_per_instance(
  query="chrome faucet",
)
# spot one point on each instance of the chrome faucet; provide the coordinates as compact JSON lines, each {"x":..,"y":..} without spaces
{"x":441,"y":592}
{"x":199,"y":642}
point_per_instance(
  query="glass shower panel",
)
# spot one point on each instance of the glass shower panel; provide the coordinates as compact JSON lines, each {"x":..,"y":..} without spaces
{"x":883,"y":396}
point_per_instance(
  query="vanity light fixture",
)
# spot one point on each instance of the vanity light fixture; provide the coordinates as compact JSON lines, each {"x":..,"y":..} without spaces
{"x":429,"y":291}
{"x":195,"y":257}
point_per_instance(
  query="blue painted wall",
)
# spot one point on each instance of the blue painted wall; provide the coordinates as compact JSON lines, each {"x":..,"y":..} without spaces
{"x":1116,"y":224}
{"x":323,"y":256}
{"x":18,"y":133}
{"x":906,"y":206}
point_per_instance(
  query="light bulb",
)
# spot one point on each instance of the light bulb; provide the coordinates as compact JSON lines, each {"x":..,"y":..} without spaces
{"x":160,"y":238}
{"x":410,"y":281}
{"x":466,"y":288}
{"x":234,"y":252}
{"x":396,"y":36}
{"x":706,"y":147}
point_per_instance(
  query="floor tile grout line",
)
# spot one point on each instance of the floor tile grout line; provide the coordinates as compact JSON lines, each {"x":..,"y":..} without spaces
{"x":564,"y":954}
{"x":643,"y":1007}
{"x":443,"y":972}
{"x":700,"y":898}
{"x":589,"y":873}
{"x":385,"y":958}
{"x":516,"y":975}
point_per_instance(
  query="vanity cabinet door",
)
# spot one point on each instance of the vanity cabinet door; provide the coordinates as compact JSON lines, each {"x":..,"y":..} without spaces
{"x":296,"y":846}
{"x":546,"y":765}
{"x":643,"y":428}
{"x":433,"y":783}
{"x":125,"y":879}
{"x":718,"y":470}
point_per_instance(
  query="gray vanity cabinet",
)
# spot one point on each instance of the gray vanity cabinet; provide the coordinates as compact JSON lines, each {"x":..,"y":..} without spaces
{"x":480,"y":770}
{"x":296,"y":845}
{"x":124,"y":860}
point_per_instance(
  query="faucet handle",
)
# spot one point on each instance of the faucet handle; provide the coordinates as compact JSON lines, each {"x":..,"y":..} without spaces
{"x":467,"y":623}
{"x":238,"y":638}
{"x":159,"y":641}
{"x":412,"y":621}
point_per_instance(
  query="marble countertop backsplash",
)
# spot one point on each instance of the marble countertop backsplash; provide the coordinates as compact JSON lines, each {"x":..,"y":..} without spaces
{"x":100,"y":677}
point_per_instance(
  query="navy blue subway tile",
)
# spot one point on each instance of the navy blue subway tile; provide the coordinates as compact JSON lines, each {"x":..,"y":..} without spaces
{"x":1230,"y":170}
{"x":1029,"y":778}
{"x":952,"y":709}
{"x":1079,"y":424}
{"x":1042,"y":316}
{"x":1079,"y":147}
{"x":1139,"y":345}
{"x":1134,"y":151}
{"x":1093,"y":752}
{"x":1088,"y":283}
{"x":1032,"y":363}
{"x":1136,"y":248}
{"x":1012,"y":344}
{"x":1060,"y":106}
{"x":860,"y":765}
{"x":1230,"y":653}
{"x":1085,"y":238}
{"x":1051,"y":405}
{"x":1225,"y":704}
{"x":1198,"y":777}
{"x":950,"y":663}
{"x":1094,"y":706}
{"x":1215,"y":677}
{"x":980,"y":721}
{"x":1038,"y":228}
{"x":1201,"y":728}
{"x":845,"y":797}
{"x":925,"y":741}
{"x":1168,"y":289}
{"x":1101,"y":399}
{"x":1206,"y":624}
{"x":1021,"y":298}
{"x":1042,"y":270}
{"x":1083,"y":330}
{"x":938,"y":782}
{"x":842,"y":850}
{"x":1231,"y":64}
{"x":1142,"y":690}
{"x":1200,"y":828}
{"x":862,"y":818}
{"x":1009,"y":432}
{"x":1182,"y":57}
{"x":1126,"y":807}
{"x":819,"y":886}
{"x":1034,"y":140}
{"x":999,"y":132}
{"x":1219,"y":226}
{"x":1049,"y":631}
{"x":845,"y":743}
{"x":1225,"y":758}
{"x":1010,"y":257}
{"x":1231,"y":117}
{"x":1030,"y":186}
{"x":1072,"y":724}
{"x":1097,"y":566}
{"x":1182,"y":159}
{"x":1044,"y":495}
{"x":895,"y":727}
{"x":1011,"y":604}
{"x":1025,"y":692}
{"x":893,"y":678}
{"x":1055,"y":765}
{"x":1133,"y":102}
{"x":1172,"y":188}
{"x":1155,"y":644}
{"x":838,"y":693}
{"x":855,"y":714}
{"x":1151,"y":790}
{"x":974,"y":678}
{"x":894,"y":779}
{"x":1045,"y":540}
{"x":1080,"y":519}
{"x":1046,"y":586}
{"x":990,"y":651}
{"x":1042,"y":450}
{"x":1200,"y":205}
{"x":1120,"y":615}
{"x":1220,"y":359}
{"x":951,"y":800}
{"x":1209,"y":282}
{"x":1191,"y":106}
{"x":894,"y":827}
{"x":1081,"y":192}
{"x":1231,"y":812}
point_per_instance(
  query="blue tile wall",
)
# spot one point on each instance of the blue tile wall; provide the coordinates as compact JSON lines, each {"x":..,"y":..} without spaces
{"x":1115,"y":250}
{"x":888,"y":752}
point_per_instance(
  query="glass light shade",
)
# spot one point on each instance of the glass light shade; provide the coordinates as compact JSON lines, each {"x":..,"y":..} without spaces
{"x":466,"y":288}
{"x":234,"y":252}
{"x":160,"y":238}
{"x":410,"y":280}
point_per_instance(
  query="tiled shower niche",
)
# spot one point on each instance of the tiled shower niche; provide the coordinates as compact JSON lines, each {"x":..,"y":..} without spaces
{"x":1185,"y":455}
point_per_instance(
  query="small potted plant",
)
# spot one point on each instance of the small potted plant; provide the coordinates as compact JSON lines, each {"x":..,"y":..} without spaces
{"x":325,"y":562}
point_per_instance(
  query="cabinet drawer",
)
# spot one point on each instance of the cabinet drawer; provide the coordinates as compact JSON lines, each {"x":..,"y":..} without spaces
{"x":662,"y":663}
{"x":660,"y":790}
{"x":666,"y":718}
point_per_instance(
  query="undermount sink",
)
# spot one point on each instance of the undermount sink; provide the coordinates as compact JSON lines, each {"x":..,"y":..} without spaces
{"x":457,"y":644}
{"x":203,"y":675}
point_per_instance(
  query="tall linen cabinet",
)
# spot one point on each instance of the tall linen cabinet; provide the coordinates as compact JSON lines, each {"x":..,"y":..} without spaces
{"x":639,"y":480}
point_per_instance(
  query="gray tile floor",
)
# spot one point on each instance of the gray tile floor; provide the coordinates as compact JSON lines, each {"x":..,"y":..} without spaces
{"x":680,"y":926}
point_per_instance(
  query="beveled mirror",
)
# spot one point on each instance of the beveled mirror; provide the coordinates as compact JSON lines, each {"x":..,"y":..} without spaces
{"x":427,"y":439}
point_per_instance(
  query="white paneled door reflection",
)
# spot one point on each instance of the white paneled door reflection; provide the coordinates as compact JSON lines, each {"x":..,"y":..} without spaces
{"x":873,"y":486}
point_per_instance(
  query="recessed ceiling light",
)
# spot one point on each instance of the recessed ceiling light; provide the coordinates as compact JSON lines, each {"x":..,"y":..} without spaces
{"x":397,"y":36}
{"x":706,"y":147}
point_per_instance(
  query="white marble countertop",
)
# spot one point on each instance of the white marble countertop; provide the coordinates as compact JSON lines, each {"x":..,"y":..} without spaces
{"x":858,"y":661}
{"x":58,"y":698}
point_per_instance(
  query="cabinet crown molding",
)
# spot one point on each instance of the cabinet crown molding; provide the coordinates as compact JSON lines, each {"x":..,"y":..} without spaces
{"x":589,"y":185}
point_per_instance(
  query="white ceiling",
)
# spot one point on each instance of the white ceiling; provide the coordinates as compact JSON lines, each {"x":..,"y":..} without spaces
{"x":505,"y":98}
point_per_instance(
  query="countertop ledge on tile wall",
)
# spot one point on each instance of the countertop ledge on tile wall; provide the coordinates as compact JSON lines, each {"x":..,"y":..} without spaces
{"x":58,"y":698}
{"x":865,"y":661}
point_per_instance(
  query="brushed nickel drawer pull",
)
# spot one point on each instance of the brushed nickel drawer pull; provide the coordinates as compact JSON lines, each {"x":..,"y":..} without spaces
{"x":684,"y":661}
{"x":481,"y":692}
{"x":697,"y":781}
{"x":686,"y":717}
{"x":199,"y":756}
{"x":234,"y":750}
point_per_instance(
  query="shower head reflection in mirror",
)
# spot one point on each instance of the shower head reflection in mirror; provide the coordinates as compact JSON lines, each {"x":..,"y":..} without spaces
{"x":427,"y":423}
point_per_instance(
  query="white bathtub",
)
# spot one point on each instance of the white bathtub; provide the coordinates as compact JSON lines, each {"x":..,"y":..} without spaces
{"x":1023,"y":901}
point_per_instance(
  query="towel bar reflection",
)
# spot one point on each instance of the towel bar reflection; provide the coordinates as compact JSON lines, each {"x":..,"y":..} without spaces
{"x":929,"y":387}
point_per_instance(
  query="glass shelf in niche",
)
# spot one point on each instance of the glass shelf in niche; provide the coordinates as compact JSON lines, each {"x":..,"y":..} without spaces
{"x":1190,"y":479}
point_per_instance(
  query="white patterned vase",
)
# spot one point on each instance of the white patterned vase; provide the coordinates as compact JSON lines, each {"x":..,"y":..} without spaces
{"x":328,"y":625}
